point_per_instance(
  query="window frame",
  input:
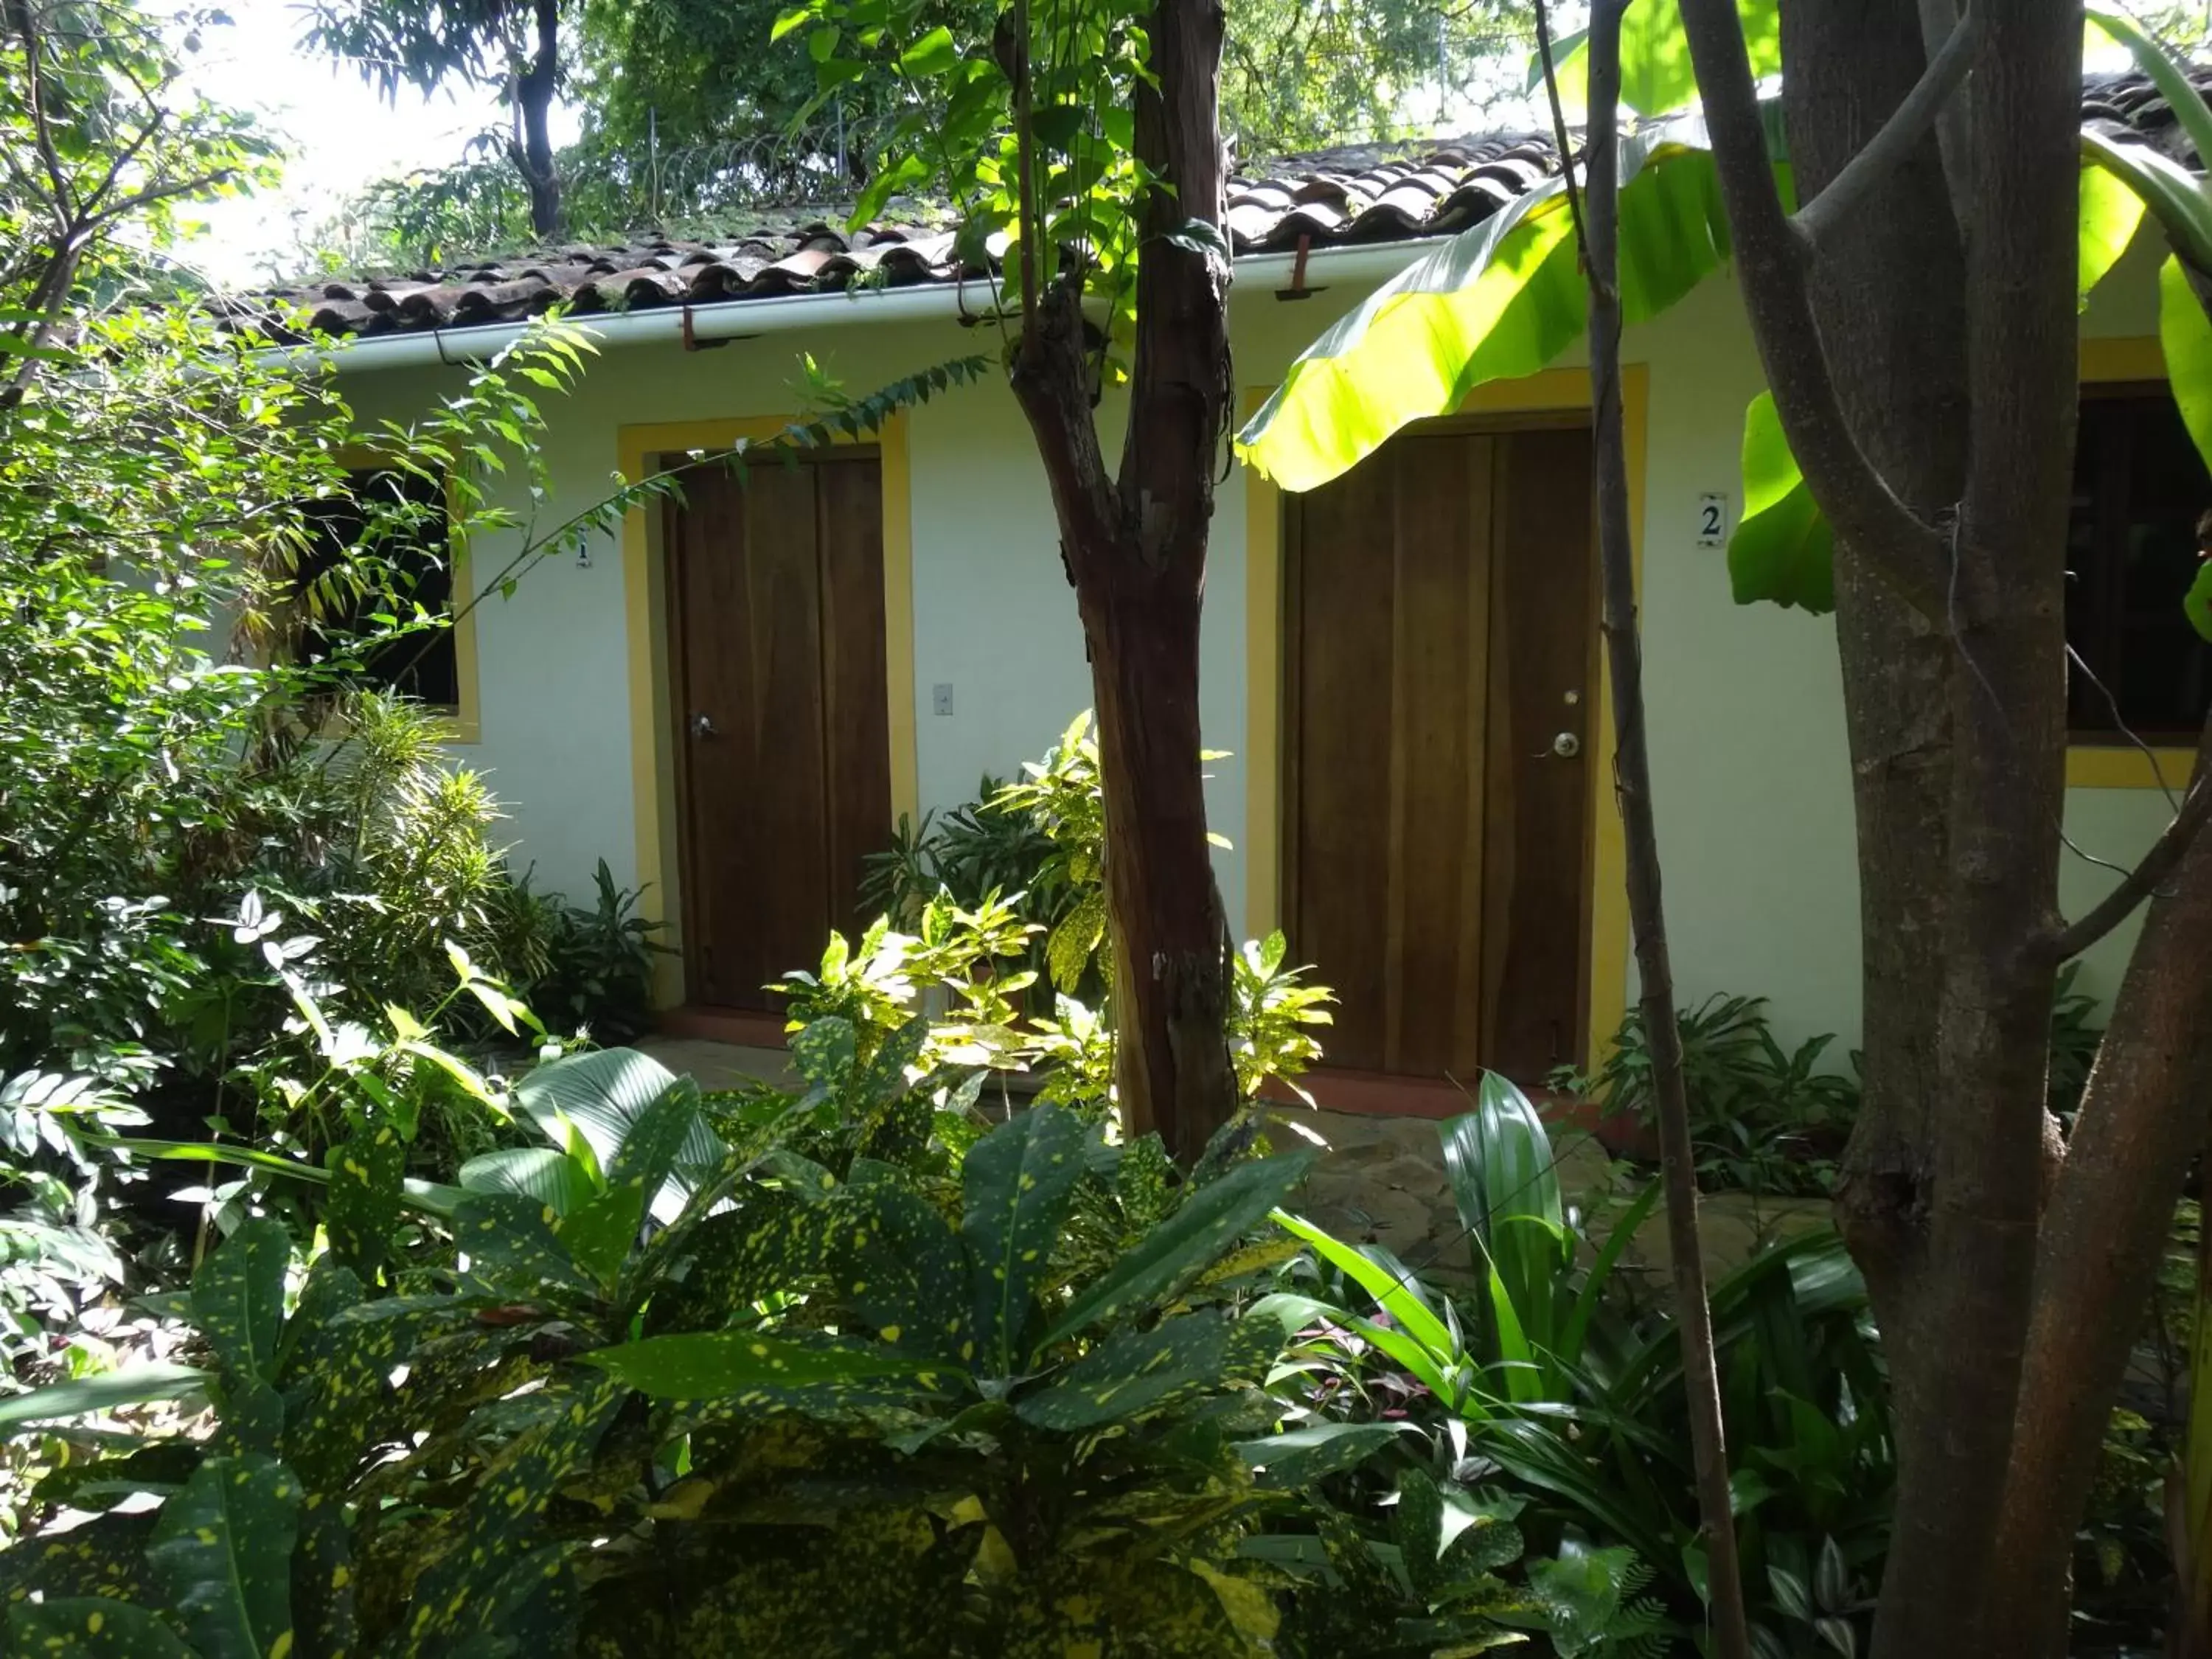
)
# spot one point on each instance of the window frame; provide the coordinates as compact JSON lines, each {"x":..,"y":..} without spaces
{"x":462,"y":723}
{"x":2116,"y":763}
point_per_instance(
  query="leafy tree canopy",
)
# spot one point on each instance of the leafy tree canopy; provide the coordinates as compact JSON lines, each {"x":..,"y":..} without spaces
{"x":690,"y":111}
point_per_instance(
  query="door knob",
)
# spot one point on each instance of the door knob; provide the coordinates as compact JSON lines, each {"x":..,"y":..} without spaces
{"x":702,"y":726}
{"x":1566,"y":746}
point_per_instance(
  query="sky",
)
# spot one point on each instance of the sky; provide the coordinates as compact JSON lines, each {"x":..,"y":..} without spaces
{"x":341,"y":133}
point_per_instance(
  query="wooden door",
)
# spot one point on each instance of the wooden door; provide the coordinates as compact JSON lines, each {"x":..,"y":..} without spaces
{"x":776,"y":624}
{"x":1438,"y":643}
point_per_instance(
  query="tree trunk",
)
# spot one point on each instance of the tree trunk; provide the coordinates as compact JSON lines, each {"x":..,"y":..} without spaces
{"x":2142,"y":1116}
{"x":1171,"y":938}
{"x":1134,"y":548}
{"x":2008,"y":1272}
{"x":533,"y":98}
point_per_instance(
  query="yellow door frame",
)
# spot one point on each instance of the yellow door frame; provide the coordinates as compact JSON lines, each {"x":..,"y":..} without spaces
{"x":652,"y":757}
{"x":1550,"y":393}
{"x":2121,"y":765}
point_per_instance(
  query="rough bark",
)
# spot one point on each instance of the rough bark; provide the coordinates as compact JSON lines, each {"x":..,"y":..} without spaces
{"x":533,"y":99}
{"x":2143,"y":1116}
{"x":1632,"y":790}
{"x":2007,"y":694}
{"x":1890,"y":282}
{"x":2007,"y":1272}
{"x":1135,"y":547}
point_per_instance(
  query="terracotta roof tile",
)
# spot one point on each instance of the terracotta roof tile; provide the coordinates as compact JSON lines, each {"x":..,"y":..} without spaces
{"x":1358,"y":194}
{"x":1354,"y":194}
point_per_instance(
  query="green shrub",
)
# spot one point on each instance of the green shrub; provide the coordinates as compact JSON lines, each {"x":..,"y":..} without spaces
{"x":1538,"y":1379}
{"x":1762,"y":1119}
{"x":1025,"y":865}
{"x":605,"y":1405}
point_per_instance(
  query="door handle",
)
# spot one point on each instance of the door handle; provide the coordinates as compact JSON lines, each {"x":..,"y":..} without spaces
{"x":702,"y":726}
{"x":1566,"y":746}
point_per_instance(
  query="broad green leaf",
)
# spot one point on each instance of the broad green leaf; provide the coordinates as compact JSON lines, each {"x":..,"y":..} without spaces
{"x":1299,"y":1457}
{"x":602,"y":1094}
{"x":546,"y":1174}
{"x":2112,"y":212}
{"x":1133,"y":1373}
{"x":79,"y":1396}
{"x":343,"y":1398}
{"x":1540,"y":1454}
{"x":709,"y":1364}
{"x":1016,"y":1182}
{"x":509,"y":1240}
{"x":1656,"y":78}
{"x":658,"y":1144}
{"x":2185,"y":338}
{"x":90,"y":1627}
{"x":1208,"y":1223}
{"x":1782,"y":548}
{"x":2174,"y":196}
{"x":223,"y":1549}
{"x":825,"y":1051}
{"x":933,"y":54}
{"x":368,"y":1172}
{"x":899,"y":1264}
{"x":1393,"y":1295}
{"x":599,"y":1236}
{"x":502,"y":1519}
{"x":1569,"y":1345}
{"x":2197,"y":601}
{"x":323,"y":1584}
{"x":238,"y":1296}
{"x":429,"y":1197}
{"x":1496,"y":302}
{"x":1506,"y":1187}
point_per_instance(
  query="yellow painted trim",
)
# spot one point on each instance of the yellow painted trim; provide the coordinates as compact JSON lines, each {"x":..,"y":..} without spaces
{"x":652,"y":761}
{"x":898,"y":620}
{"x":2132,"y":357}
{"x":1263,"y":696}
{"x":1609,"y":931}
{"x":464,"y":724}
{"x":1549,"y":392}
{"x":2116,"y":766}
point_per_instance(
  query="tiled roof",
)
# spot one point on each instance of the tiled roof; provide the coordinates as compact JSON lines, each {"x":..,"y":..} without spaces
{"x":2131,"y":104}
{"x":1365,"y":193}
{"x":1321,"y":199}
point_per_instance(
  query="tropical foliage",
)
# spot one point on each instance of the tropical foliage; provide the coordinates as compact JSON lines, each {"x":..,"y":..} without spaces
{"x":779,"y":1371}
{"x":1541,"y":1372}
{"x":689,"y":124}
{"x":1017,"y":878}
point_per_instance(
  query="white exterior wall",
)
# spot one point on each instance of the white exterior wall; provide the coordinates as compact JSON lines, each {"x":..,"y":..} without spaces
{"x":1753,"y":781}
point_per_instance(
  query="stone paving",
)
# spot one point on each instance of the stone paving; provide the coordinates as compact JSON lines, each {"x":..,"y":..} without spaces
{"x":1383,"y":1181}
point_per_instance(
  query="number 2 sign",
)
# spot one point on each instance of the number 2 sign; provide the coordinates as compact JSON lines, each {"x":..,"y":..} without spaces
{"x":1713,"y":520}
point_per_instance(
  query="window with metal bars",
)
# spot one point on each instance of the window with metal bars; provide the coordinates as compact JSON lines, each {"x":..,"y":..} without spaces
{"x":422,"y":664}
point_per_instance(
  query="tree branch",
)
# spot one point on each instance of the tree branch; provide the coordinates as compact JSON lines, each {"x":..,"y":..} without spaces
{"x":1599,"y":226}
{"x":2139,"y":883}
{"x":1909,"y":555}
{"x":1954,"y":124}
{"x":1899,"y":137}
